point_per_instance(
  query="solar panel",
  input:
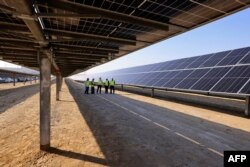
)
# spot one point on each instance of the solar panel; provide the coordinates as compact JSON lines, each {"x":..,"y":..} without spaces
{"x":233,"y":81}
{"x":225,"y":72}
{"x":206,"y":82}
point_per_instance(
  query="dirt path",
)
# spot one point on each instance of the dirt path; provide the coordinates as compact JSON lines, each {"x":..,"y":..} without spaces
{"x":134,"y":130}
{"x":72,"y":140}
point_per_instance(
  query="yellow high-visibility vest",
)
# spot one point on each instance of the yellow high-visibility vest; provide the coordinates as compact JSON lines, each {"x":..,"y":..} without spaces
{"x":112,"y":83}
{"x":92,"y":84}
{"x":106,"y":83}
{"x":100,"y":82}
{"x":87,"y":83}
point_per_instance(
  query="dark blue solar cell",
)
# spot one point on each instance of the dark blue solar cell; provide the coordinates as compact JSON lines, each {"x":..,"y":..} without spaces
{"x":170,"y":65}
{"x":234,"y":80}
{"x":163,"y":79}
{"x":192,"y":79}
{"x":199,"y":61}
{"x":246,"y":59}
{"x":214,"y":60}
{"x":246,"y":88}
{"x":234,"y":57}
{"x":154,"y":78}
{"x":157,"y":67}
{"x":177,"y":78}
{"x":210,"y":79}
{"x":186,"y":63}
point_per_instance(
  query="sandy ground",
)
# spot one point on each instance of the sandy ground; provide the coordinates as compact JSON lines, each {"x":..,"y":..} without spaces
{"x":72,"y":141}
{"x":124,"y":129}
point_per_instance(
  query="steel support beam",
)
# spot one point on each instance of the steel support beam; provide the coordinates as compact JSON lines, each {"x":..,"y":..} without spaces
{"x":13,"y":26}
{"x":68,"y":15}
{"x":85,"y":36}
{"x":45,"y":72}
{"x":247,"y":109}
{"x":25,"y":7}
{"x":79,"y":53}
{"x":81,"y":8}
{"x":17,"y":48}
{"x":86,"y":47}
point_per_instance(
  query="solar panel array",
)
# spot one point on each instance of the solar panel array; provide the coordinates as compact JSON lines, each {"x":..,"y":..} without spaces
{"x":226,"y":72}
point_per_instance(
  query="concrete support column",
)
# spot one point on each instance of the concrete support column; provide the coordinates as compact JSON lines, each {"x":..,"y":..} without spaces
{"x":152,"y":92}
{"x":247,"y":109}
{"x":45,"y":83}
{"x":58,"y":85}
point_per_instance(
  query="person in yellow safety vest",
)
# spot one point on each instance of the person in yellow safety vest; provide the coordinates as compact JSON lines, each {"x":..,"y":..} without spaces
{"x":112,"y":86}
{"x":92,"y":86}
{"x":106,"y":84}
{"x":99,"y":85}
{"x":87,"y":83}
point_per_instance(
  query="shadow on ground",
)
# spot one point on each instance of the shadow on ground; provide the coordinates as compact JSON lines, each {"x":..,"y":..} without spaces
{"x":78,"y":156}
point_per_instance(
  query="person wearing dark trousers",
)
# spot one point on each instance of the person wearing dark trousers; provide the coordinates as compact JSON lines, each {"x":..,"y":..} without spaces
{"x":87,"y":86}
{"x":112,"y":86}
{"x":106,"y":84}
{"x":99,"y":86}
{"x":92,"y":85}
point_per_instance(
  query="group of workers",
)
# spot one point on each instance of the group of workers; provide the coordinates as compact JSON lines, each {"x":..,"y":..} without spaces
{"x":107,"y":84}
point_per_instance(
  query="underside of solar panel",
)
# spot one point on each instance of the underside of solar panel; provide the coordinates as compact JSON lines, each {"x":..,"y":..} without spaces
{"x":226,"y":72}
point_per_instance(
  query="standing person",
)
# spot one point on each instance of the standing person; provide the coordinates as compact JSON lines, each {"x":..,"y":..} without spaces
{"x":112,"y":86}
{"x":106,"y":84}
{"x":87,"y":86}
{"x":92,"y":85}
{"x":99,"y":86}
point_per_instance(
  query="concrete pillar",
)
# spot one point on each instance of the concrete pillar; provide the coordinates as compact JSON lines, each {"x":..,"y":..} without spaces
{"x":45,"y":83}
{"x":152,"y":92}
{"x":58,"y":85}
{"x":247,"y":109}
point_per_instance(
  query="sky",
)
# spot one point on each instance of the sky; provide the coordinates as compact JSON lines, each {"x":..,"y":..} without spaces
{"x":228,"y":33}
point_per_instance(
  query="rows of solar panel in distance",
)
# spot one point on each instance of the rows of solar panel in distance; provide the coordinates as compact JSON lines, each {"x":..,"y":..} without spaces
{"x":227,"y":71}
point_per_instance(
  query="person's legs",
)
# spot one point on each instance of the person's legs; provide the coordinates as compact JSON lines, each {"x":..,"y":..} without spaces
{"x":113,"y":89}
{"x":106,"y":89}
{"x":100,"y":89}
{"x":87,"y":90}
